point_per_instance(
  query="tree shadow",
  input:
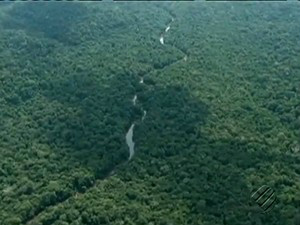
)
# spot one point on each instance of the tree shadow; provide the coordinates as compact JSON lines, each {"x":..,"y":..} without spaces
{"x":92,"y":118}
{"x":214,"y":177}
{"x":172,"y":156}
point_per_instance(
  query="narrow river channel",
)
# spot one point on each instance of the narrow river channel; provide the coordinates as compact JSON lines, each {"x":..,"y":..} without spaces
{"x":129,"y":134}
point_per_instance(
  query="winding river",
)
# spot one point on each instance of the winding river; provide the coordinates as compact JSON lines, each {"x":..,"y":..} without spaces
{"x":161,"y":39}
{"x":142,"y":80}
{"x":130,"y":142}
{"x":129,"y":138}
{"x":134,"y":100}
{"x":129,"y":134}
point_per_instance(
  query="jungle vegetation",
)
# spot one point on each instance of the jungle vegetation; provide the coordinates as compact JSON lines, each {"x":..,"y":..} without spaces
{"x":219,"y":124}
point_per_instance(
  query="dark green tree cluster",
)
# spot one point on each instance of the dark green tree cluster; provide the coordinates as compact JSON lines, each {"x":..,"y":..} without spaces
{"x":222,"y":102}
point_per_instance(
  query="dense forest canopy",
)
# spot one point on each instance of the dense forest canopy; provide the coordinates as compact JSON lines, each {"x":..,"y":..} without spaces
{"x":222,"y":101}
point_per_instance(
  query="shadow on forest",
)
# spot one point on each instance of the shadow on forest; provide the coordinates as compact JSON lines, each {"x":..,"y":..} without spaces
{"x":91,"y":119}
{"x":210,"y":175}
{"x":207,"y":174}
{"x":47,"y":18}
{"x":95,"y":117}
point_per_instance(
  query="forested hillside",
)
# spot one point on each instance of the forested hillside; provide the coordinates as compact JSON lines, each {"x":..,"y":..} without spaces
{"x":223,"y":113}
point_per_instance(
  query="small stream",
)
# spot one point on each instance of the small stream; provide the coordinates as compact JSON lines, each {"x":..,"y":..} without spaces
{"x":144,"y":115}
{"x":129,"y":134}
{"x":130,"y":142}
{"x":161,"y":39}
{"x":134,"y":100}
{"x":141,"y":80}
{"x":167,"y":29}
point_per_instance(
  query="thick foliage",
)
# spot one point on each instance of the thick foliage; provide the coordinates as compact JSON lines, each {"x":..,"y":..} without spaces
{"x":220,"y":122}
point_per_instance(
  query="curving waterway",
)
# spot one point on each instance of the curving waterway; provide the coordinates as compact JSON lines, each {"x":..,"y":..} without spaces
{"x":142,"y":80}
{"x":130,"y":142}
{"x":144,"y":115}
{"x":134,"y":99}
{"x":161,"y":39}
{"x":129,"y":134}
{"x":128,"y":137}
